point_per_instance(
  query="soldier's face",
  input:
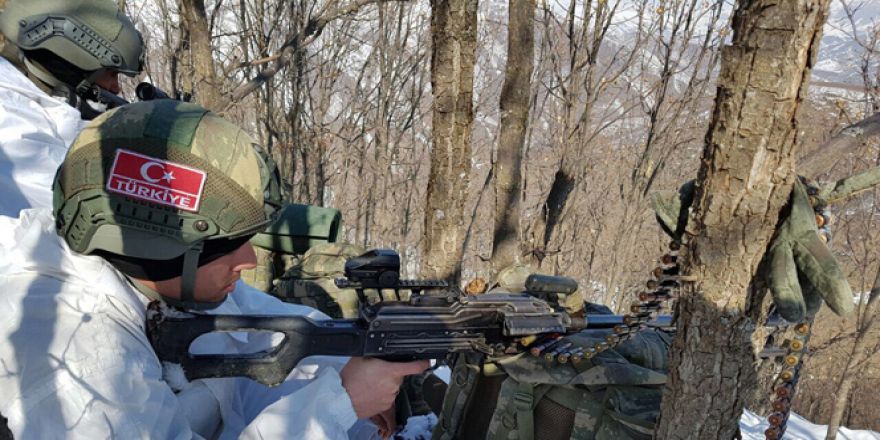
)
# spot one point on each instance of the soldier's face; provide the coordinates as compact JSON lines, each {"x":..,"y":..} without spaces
{"x":216,"y":279}
{"x":108,"y":80}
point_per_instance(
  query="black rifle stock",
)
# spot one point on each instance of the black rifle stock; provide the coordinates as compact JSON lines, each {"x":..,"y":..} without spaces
{"x":435,"y":322}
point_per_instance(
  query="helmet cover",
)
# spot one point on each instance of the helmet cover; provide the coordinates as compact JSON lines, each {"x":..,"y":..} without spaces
{"x":153,"y":179}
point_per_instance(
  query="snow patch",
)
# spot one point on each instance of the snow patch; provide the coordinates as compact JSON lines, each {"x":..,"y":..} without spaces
{"x":417,"y":428}
{"x":174,"y":376}
{"x":753,"y":427}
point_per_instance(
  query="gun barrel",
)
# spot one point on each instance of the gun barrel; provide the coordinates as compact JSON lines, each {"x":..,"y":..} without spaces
{"x":611,"y":321}
{"x":148,"y":92}
{"x":537,"y":283}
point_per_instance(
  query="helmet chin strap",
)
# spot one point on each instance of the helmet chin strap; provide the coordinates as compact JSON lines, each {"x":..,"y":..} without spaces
{"x":49,"y":83}
{"x":190,"y":267}
{"x":77,"y":97}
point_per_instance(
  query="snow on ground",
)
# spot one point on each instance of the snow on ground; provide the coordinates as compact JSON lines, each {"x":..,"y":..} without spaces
{"x":417,"y":428}
{"x":799,"y":428}
{"x":752,"y":425}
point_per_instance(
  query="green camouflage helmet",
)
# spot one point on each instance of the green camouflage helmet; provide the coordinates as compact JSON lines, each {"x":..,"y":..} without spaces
{"x":513,"y":278}
{"x":153,"y":180}
{"x":90,"y":34}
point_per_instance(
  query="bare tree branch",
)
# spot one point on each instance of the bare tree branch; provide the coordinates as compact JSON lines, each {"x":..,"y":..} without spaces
{"x":296,"y":42}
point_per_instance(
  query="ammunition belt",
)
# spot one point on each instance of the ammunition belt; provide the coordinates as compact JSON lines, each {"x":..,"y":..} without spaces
{"x":663,"y":287}
{"x":785,"y":384}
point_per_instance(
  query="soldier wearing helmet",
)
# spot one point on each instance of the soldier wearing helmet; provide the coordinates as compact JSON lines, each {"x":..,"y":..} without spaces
{"x":156,"y":201}
{"x":56,"y":56}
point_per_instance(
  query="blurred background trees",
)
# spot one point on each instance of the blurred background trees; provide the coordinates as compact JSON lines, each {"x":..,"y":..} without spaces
{"x":548,"y":120}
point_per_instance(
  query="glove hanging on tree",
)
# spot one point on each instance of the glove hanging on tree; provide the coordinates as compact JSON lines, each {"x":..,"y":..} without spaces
{"x":803,"y":272}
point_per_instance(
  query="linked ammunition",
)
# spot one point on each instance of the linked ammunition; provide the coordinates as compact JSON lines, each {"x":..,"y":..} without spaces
{"x":773,"y":433}
{"x":668,"y":259}
{"x":601,"y":346}
{"x":589,"y":352}
{"x":776,"y":419}
{"x":525,"y":341}
{"x":650,"y":307}
{"x":661,"y":272}
{"x":820,"y":220}
{"x":802,"y":328}
{"x":781,"y":405}
{"x":786,"y":375}
{"x":825,"y":235}
{"x":613,"y":339}
{"x":796,"y":345}
{"x":550,"y":355}
{"x":624,"y":329}
{"x":563,"y":357}
{"x":791,"y":360}
{"x":785,"y":390}
{"x":577,"y":355}
{"x":538,"y":349}
{"x":636,"y":319}
{"x":655,"y":284}
{"x":660,"y":295}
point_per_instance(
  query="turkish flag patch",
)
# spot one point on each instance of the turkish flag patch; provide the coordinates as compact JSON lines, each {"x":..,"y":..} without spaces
{"x":156,"y":180}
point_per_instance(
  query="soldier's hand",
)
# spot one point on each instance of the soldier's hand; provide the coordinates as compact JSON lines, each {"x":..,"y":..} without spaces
{"x":803,"y":272}
{"x":386,"y":421}
{"x":373,"y":384}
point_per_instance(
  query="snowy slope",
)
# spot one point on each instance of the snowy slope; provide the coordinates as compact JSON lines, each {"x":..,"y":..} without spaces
{"x":840,"y":55}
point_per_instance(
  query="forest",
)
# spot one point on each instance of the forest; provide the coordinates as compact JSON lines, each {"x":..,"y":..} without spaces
{"x":471,"y":135}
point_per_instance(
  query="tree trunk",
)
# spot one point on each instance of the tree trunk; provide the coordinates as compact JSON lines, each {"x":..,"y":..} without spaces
{"x":514,"y":107}
{"x":454,"y":36}
{"x":206,"y":88}
{"x":745,"y":179}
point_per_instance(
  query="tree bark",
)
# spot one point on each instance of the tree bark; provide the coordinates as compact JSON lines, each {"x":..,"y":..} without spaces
{"x":454,"y":36}
{"x":206,"y":88}
{"x":514,"y":106}
{"x":745,"y":178}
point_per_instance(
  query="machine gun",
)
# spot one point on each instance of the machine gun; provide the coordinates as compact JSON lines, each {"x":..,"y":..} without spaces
{"x":144,"y":91}
{"x":434,"y":322}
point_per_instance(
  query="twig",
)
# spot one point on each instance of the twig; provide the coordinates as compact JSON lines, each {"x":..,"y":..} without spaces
{"x":295,"y":42}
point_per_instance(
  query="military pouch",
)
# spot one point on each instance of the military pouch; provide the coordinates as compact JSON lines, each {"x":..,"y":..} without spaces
{"x":614,"y":395}
{"x":311,"y":280}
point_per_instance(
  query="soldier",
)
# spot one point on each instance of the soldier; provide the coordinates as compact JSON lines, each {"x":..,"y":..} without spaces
{"x":156,"y":201}
{"x":56,"y":54}
{"x":310,"y":280}
{"x":614,"y":394}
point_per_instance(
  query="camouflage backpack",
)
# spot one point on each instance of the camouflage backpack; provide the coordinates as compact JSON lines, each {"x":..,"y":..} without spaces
{"x":310,"y":281}
{"x":614,"y":395}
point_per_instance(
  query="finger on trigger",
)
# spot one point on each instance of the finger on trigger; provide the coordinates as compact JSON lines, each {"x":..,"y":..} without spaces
{"x":414,"y":367}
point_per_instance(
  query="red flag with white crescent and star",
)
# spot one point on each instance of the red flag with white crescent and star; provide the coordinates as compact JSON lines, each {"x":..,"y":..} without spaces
{"x":156,"y":180}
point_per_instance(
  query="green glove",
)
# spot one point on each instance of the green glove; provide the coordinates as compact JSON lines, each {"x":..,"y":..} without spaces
{"x":803,"y":272}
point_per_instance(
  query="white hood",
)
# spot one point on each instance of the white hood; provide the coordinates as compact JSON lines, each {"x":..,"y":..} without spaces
{"x":35,"y":132}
